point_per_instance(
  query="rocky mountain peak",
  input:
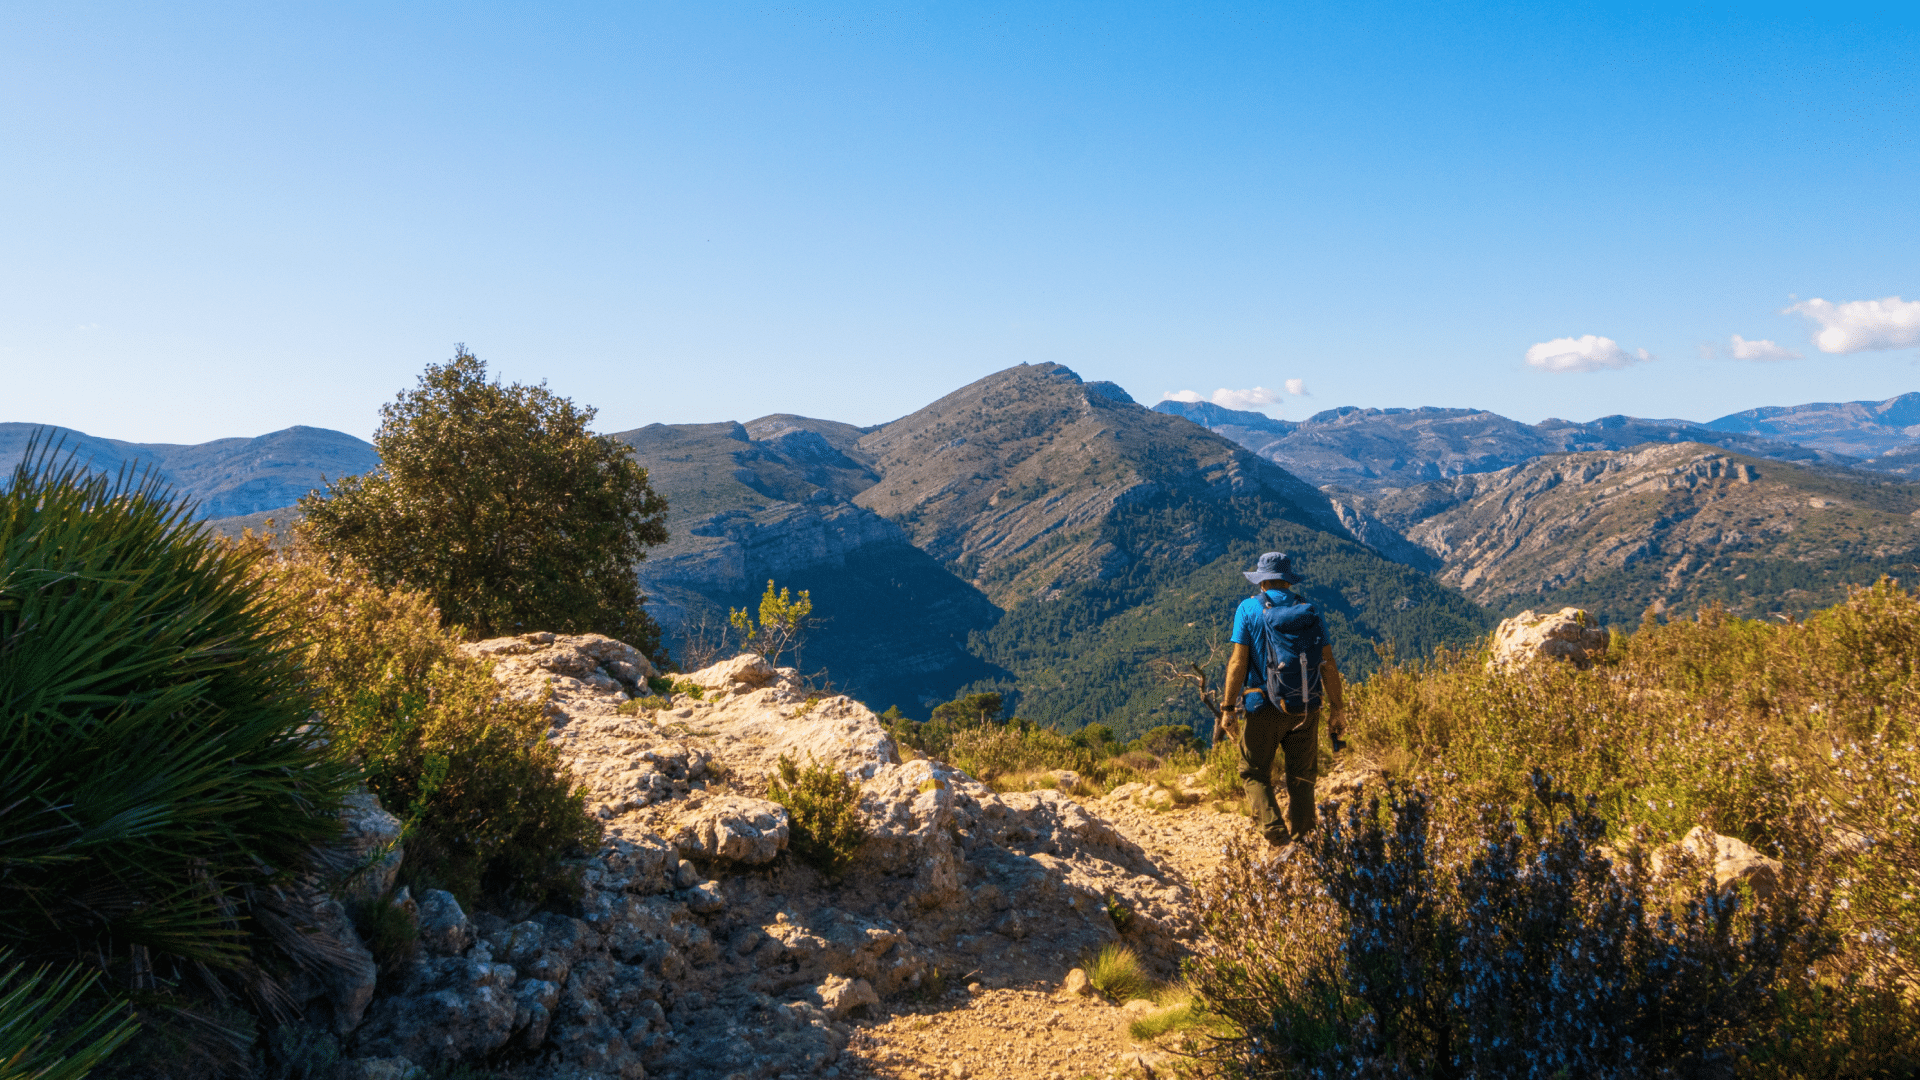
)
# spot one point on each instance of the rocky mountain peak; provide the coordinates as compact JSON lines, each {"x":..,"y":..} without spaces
{"x":1012,"y":478}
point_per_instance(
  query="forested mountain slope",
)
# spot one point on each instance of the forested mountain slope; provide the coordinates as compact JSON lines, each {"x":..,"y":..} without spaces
{"x":767,"y":500}
{"x":1114,"y":536}
{"x":1029,"y":533}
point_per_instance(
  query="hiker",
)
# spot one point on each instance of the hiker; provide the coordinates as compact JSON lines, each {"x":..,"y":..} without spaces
{"x":1281,"y":672}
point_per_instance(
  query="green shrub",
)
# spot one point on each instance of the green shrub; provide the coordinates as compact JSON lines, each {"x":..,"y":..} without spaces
{"x":1096,"y":737}
{"x":42,"y":1037}
{"x":390,"y":932}
{"x":1178,"y":1012}
{"x":1510,"y":948}
{"x":1742,"y":726}
{"x":973,"y":710}
{"x":823,"y":814}
{"x":491,"y":811}
{"x":1167,"y":740}
{"x":1115,"y":972}
{"x":499,"y":504}
{"x":784,"y":622}
{"x":159,"y":766}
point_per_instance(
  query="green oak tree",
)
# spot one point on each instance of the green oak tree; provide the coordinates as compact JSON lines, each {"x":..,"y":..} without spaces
{"x":500,"y":504}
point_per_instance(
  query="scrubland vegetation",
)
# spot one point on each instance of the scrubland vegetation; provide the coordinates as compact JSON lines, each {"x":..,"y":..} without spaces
{"x":487,"y":804}
{"x":184,"y":719}
{"x":1512,"y":903}
{"x":1020,"y":755}
{"x":1507,"y":897}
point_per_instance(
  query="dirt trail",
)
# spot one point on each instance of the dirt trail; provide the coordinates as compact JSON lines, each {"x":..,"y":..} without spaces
{"x":1038,"y":1032}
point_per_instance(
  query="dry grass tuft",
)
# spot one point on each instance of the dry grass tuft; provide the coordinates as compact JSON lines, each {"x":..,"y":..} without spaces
{"x":1116,"y":973}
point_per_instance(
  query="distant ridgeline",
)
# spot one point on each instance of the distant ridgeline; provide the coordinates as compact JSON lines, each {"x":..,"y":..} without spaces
{"x":1618,"y":515}
{"x":227,"y":477}
{"x":1053,"y":540}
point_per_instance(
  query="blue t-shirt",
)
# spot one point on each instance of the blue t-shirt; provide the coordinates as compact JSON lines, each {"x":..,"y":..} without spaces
{"x":1293,"y":621}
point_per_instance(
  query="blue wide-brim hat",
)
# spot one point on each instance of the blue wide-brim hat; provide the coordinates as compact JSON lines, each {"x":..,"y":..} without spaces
{"x":1274,"y":564}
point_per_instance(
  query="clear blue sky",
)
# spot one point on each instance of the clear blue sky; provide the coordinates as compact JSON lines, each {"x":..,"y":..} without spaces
{"x":226,"y":219}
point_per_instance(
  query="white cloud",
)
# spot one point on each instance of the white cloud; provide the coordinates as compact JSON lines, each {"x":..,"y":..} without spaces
{"x":1586,"y":353}
{"x":1760,"y":350}
{"x":1253,"y":397}
{"x":1298,"y":388}
{"x":1861,"y":325}
{"x":1708,"y":351}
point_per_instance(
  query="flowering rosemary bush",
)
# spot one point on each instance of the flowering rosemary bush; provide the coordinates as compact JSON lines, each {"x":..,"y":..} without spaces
{"x":1394,"y":945}
{"x":1798,"y":738}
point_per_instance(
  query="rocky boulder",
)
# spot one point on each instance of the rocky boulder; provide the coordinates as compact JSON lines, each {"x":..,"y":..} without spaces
{"x":593,"y":673}
{"x":1734,"y":862}
{"x":1569,"y":634}
{"x":733,"y":828}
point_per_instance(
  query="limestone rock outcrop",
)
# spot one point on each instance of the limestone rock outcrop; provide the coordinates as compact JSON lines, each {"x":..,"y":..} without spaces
{"x":733,"y":828}
{"x":594,"y":674}
{"x":367,"y":851}
{"x":1569,"y":634}
{"x":699,"y":949}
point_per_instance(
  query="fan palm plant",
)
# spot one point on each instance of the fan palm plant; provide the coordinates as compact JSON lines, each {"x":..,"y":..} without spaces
{"x":157,"y":768}
{"x":41,"y":1035}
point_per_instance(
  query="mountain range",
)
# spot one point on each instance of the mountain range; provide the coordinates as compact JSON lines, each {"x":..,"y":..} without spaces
{"x":1030,"y":533}
{"x":1370,"y":450}
{"x":1667,"y":526}
{"x":1050,"y":538}
{"x":226,"y":477}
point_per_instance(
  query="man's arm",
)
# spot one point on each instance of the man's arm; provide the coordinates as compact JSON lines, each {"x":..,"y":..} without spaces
{"x":1334,"y":687}
{"x":1237,"y":666}
{"x":1335,"y":690}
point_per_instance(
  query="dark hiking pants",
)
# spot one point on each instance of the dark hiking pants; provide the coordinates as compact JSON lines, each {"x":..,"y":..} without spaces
{"x":1296,"y":739}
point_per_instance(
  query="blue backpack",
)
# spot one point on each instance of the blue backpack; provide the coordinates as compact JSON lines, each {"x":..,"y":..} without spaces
{"x":1290,"y":640}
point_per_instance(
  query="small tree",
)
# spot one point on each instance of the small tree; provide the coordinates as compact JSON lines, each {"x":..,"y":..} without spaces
{"x":973,"y":709}
{"x":783,"y":625}
{"x":501,"y":505}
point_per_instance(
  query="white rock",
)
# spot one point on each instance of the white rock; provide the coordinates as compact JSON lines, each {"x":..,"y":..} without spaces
{"x":840,"y":995}
{"x":744,"y":672}
{"x":734,"y":828}
{"x":1734,"y":861}
{"x":705,"y":898}
{"x":387,"y":1068}
{"x":367,"y":853}
{"x":351,"y":979}
{"x":1568,"y":634}
{"x":444,"y":929}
